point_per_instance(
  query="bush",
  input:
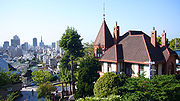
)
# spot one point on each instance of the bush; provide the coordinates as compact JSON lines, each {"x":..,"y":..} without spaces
{"x":109,"y":98}
{"x":159,"y":88}
{"x":44,"y":90}
{"x":108,"y":84}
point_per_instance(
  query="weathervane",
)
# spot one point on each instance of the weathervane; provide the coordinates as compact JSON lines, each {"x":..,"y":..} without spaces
{"x":104,"y":9}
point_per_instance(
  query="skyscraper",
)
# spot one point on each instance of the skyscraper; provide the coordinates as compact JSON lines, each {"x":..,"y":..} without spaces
{"x":6,"y":44}
{"x":15,"y":41}
{"x":53,"y":45}
{"x":41,"y":44}
{"x":35,"y":42}
{"x":25,"y":46}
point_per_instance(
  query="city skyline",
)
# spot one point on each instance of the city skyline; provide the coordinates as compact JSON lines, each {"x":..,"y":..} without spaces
{"x":29,"y":19}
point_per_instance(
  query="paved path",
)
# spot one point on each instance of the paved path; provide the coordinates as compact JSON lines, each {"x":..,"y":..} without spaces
{"x":27,"y":94}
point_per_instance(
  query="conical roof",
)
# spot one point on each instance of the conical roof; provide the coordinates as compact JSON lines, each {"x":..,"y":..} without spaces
{"x":104,"y":37}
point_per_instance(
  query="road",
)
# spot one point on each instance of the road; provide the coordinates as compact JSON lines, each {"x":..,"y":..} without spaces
{"x":27,"y":94}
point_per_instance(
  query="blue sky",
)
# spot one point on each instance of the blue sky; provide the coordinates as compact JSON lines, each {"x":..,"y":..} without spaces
{"x":50,"y":18}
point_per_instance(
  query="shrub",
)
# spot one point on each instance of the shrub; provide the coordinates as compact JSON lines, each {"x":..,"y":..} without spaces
{"x":109,"y":98}
{"x":108,"y":84}
{"x":44,"y":90}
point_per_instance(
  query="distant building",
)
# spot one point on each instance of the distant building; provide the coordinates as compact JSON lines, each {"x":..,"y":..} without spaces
{"x":41,"y":44}
{"x":57,"y":46}
{"x":52,"y":62}
{"x":15,"y":52}
{"x":35,"y":42}
{"x":15,"y":41}
{"x":53,"y":45}
{"x":25,"y":46}
{"x":6,"y":44}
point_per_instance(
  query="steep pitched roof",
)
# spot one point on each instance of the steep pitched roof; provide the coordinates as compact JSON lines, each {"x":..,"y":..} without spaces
{"x":113,"y":54}
{"x":136,"y":46}
{"x":104,"y":37}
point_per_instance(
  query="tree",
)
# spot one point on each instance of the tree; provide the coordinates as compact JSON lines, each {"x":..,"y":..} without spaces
{"x":88,"y":49}
{"x":172,"y":44}
{"x":44,"y":90}
{"x":64,"y":75}
{"x":108,"y":84}
{"x":159,"y":40}
{"x":87,"y":75}
{"x":71,"y":43}
{"x":41,"y":76}
{"x":8,"y":78}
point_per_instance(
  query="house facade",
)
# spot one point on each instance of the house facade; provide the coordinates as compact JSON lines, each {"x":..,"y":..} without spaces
{"x":133,"y":53}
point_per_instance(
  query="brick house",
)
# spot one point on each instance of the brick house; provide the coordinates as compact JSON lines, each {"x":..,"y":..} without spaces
{"x":133,"y":52}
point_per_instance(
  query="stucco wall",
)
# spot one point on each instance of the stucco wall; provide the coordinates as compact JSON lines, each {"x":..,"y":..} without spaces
{"x":147,"y":71}
{"x":113,"y":66}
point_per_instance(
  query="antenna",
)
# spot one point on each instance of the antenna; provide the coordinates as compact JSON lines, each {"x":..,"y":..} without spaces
{"x":103,"y":9}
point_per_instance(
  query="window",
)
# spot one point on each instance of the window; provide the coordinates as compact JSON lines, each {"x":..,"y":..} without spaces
{"x":109,"y":67}
{"x":141,"y":69}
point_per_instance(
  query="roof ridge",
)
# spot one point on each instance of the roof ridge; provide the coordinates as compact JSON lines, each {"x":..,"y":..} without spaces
{"x":146,"y":47}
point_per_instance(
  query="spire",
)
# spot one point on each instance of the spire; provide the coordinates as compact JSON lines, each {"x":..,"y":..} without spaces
{"x":104,"y":9}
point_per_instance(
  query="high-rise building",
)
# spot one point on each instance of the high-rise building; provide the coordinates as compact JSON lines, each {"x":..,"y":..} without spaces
{"x":25,"y":46}
{"x":35,"y":42}
{"x":41,"y":44}
{"x":57,"y":46}
{"x":53,"y":45}
{"x":6,"y":44}
{"x":15,"y":41}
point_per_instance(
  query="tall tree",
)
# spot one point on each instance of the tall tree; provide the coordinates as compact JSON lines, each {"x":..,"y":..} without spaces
{"x":159,"y":40}
{"x":88,"y":49}
{"x":71,"y":43}
{"x":175,"y":44}
{"x":87,"y":75}
{"x":41,"y":76}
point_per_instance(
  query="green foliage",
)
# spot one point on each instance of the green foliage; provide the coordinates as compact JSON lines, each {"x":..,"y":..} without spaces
{"x":165,"y":87}
{"x":41,"y":76}
{"x":64,"y":75}
{"x":44,"y":90}
{"x":108,"y":84}
{"x":172,"y":43}
{"x":87,"y":75}
{"x":136,"y":89}
{"x":65,"y":61}
{"x":88,"y":50}
{"x":71,"y":42}
{"x":11,"y":97}
{"x":160,"y":87}
{"x":8,"y":78}
{"x":109,"y":98}
{"x":159,"y":40}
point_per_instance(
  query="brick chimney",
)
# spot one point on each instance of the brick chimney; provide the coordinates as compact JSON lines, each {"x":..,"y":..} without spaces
{"x":116,"y":33}
{"x":164,"y":38}
{"x":153,"y":37}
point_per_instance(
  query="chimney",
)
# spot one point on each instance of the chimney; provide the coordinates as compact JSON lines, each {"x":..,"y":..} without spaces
{"x":116,"y":33}
{"x":153,"y":37}
{"x":164,"y":38}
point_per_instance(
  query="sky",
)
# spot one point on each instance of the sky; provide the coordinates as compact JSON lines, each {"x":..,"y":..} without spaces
{"x":50,"y":18}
